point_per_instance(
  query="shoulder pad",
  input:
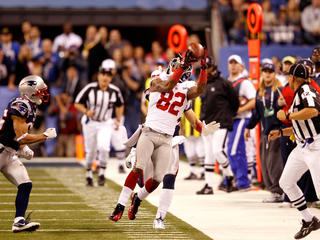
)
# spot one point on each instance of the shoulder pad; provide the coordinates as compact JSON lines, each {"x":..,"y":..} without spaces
{"x":19,"y":108}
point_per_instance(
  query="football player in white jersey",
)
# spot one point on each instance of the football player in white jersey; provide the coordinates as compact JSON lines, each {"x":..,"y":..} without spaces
{"x":17,"y":120}
{"x":167,"y":191}
{"x":167,"y":102}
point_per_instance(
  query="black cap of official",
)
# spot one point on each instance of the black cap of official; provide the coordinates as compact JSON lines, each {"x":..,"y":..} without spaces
{"x":299,"y":70}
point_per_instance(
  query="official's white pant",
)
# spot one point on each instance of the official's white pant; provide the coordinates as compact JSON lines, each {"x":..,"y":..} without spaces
{"x":13,"y":169}
{"x":299,"y":161}
{"x":97,"y":137}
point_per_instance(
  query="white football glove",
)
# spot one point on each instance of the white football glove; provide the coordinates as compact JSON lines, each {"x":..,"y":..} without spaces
{"x":177,"y":140}
{"x":25,"y":152}
{"x":209,"y":128}
{"x":50,"y":133}
{"x":131,"y":158}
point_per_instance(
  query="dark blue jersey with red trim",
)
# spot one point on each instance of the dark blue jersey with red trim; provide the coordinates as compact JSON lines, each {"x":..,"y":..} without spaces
{"x":19,"y":107}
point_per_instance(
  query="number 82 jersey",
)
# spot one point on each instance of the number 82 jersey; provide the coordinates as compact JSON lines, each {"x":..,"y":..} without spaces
{"x":165,"y":109}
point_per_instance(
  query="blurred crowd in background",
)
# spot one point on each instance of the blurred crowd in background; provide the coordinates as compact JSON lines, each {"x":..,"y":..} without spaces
{"x":284,"y":21}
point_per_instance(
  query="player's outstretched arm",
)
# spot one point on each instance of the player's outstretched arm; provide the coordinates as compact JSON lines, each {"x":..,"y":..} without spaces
{"x":202,"y":127}
{"x":23,"y":137}
{"x":201,"y":83}
{"x":159,"y":85}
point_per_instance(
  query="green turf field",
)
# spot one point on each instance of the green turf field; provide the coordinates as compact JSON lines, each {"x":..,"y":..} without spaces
{"x":67,"y":210}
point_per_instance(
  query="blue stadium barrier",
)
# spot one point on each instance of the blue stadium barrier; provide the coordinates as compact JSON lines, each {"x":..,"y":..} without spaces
{"x":6,"y":96}
{"x":146,"y":4}
{"x":266,"y":52}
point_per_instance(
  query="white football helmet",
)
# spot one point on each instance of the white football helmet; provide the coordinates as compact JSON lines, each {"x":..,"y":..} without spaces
{"x":34,"y":89}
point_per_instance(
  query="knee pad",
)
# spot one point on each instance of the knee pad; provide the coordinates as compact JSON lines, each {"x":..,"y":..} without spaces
{"x":25,"y":187}
{"x":168,"y":181}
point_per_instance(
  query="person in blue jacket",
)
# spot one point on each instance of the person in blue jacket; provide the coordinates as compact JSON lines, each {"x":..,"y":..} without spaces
{"x":266,"y":111}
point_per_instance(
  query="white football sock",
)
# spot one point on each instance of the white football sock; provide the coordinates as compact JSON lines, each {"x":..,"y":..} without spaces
{"x":17,"y":219}
{"x":209,"y":178}
{"x":193,"y":169}
{"x":227,"y":172}
{"x":102,"y":171}
{"x":143,"y":193}
{"x":89,"y":174}
{"x":165,"y":200}
{"x":121,"y":162}
{"x":124,"y":195}
{"x":306,"y":215}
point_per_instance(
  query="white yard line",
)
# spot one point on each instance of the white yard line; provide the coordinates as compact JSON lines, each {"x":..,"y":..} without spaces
{"x":42,"y":194}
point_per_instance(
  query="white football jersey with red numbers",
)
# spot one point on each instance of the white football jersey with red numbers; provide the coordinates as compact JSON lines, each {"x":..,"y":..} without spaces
{"x":165,"y":109}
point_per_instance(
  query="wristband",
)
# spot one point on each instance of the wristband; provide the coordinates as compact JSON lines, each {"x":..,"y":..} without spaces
{"x":22,"y":137}
{"x":199,"y":127}
{"x":288,"y":116}
{"x":281,"y":132}
{"x":203,"y":76}
{"x":177,"y":74}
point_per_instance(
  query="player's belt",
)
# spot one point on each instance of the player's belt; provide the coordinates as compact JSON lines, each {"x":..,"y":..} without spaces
{"x":152,"y":130}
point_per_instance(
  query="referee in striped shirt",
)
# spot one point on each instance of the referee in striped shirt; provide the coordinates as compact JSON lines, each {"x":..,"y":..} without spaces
{"x":304,"y":114}
{"x":96,"y":101}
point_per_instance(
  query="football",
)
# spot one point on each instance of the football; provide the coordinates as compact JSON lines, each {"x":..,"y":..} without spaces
{"x":243,"y":100}
{"x":197,"y":50}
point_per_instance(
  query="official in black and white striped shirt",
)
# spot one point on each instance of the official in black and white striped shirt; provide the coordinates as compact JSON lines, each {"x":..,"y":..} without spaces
{"x":304,"y":113}
{"x":97,"y":101}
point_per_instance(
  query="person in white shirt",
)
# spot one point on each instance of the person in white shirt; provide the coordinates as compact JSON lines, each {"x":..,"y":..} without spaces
{"x":66,"y":39}
{"x":236,"y":143}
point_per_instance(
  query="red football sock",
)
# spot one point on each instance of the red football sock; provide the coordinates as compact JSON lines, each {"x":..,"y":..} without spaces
{"x":131,"y":180}
{"x":150,"y":185}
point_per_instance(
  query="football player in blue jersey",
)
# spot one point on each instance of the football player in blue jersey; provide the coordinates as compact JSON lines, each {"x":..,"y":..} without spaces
{"x":17,"y":120}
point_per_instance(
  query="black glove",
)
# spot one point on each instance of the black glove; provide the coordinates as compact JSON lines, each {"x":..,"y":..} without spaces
{"x":188,"y":59}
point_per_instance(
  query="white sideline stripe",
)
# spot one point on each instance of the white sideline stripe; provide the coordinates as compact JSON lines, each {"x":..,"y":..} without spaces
{"x":55,"y":210}
{"x":60,"y":219}
{"x":48,"y":203}
{"x":42,"y":194}
{"x":38,"y":188}
{"x":35,"y":181}
{"x":104,"y":230}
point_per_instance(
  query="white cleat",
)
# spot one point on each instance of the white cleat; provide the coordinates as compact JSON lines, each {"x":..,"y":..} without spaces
{"x":131,"y":158}
{"x":158,"y":224}
{"x":25,"y":226}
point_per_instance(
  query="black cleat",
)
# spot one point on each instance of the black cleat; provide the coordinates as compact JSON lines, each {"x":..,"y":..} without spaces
{"x":206,"y":190}
{"x":202,"y":176}
{"x":307,"y":227}
{"x":229,"y":186}
{"x":133,"y":210}
{"x":192,"y":176}
{"x":89,"y":182}
{"x":101,"y":180}
{"x":223,"y":187}
{"x":117,"y":213}
{"x":121,"y":169}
